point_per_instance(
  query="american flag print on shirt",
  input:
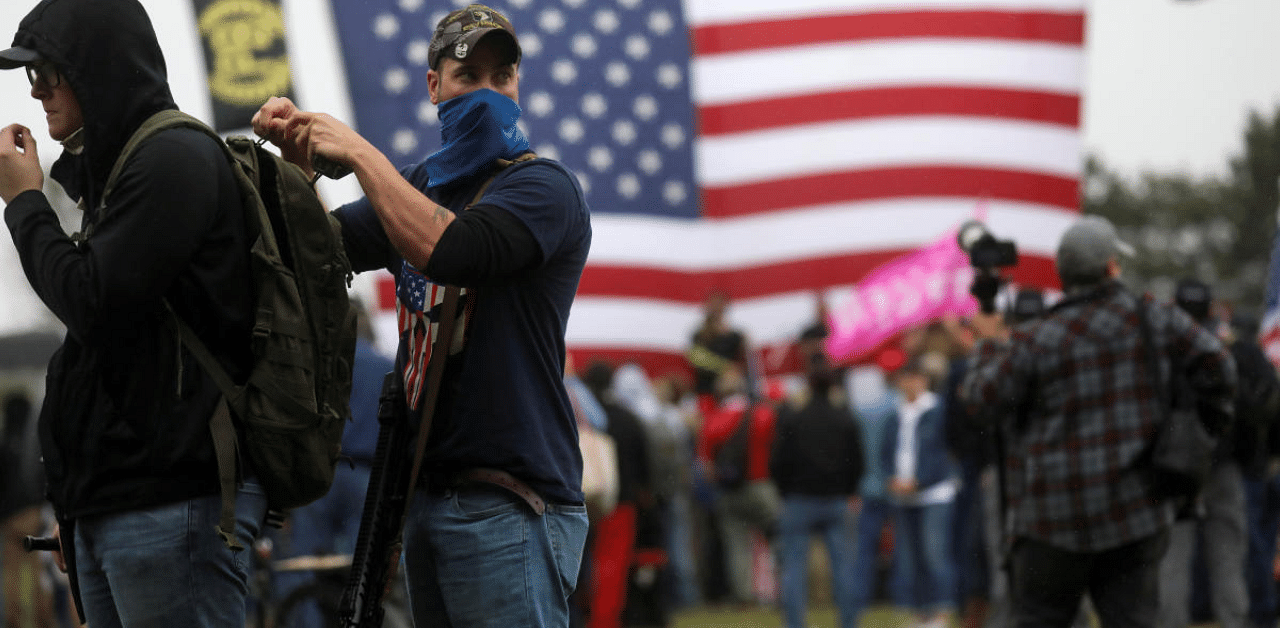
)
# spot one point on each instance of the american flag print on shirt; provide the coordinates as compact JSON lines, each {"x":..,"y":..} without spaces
{"x":770,"y":149}
{"x":418,"y":311}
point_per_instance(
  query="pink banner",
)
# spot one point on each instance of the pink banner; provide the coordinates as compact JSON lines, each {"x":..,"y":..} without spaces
{"x":910,"y":290}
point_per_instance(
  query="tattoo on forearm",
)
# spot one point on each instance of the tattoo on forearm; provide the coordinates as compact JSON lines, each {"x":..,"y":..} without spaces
{"x":443,"y":214}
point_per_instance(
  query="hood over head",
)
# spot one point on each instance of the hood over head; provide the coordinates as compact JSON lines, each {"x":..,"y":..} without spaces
{"x":108,"y":52}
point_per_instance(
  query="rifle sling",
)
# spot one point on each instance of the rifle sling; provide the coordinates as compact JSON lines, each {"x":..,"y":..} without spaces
{"x":440,"y":354}
{"x":435,"y":373}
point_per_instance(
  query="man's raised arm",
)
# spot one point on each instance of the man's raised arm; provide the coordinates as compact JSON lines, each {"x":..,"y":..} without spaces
{"x":412,"y":221}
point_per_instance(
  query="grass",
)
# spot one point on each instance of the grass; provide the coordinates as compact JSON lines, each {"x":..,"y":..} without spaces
{"x":822,"y":616}
{"x":819,"y":617}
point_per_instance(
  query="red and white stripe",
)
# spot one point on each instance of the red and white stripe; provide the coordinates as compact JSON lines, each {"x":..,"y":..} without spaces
{"x":417,"y":345}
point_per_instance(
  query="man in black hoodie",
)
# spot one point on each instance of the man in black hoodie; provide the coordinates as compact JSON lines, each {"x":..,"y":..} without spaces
{"x":124,"y":428}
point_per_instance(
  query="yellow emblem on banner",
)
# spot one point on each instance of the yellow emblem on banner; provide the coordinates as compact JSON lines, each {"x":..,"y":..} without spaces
{"x":249,"y":60}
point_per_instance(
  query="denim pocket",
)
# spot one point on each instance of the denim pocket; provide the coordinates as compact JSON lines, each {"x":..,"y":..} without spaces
{"x":567,"y":529}
{"x":483,"y":500}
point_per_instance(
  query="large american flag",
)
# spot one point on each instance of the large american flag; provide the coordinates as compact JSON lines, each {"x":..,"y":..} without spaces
{"x":770,"y":149}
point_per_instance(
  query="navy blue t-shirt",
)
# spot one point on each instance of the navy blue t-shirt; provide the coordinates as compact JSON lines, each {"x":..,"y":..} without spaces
{"x":503,"y":403}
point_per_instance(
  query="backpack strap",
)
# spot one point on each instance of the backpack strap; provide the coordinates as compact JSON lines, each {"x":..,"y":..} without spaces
{"x":226,"y":447}
{"x":502,"y":164}
{"x":226,"y":444}
{"x":174,"y":119}
{"x":159,"y":121}
{"x":221,"y":427}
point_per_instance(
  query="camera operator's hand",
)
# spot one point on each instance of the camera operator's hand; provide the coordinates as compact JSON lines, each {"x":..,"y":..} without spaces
{"x":19,"y":162}
{"x":988,"y":326}
{"x":959,"y":333}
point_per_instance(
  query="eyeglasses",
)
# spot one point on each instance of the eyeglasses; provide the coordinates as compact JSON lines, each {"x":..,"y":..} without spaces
{"x":44,"y":71}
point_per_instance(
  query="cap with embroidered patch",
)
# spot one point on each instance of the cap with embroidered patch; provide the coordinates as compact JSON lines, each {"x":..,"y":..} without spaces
{"x":458,"y":33}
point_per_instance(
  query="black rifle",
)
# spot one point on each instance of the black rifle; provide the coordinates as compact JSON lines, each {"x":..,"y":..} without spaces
{"x":377,"y":550}
{"x":392,"y":480}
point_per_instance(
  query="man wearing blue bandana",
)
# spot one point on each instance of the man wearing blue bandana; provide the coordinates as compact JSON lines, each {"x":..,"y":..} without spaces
{"x":475,"y":553}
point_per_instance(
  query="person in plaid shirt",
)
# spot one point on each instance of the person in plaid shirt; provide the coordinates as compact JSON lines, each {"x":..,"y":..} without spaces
{"x":1082,"y":410}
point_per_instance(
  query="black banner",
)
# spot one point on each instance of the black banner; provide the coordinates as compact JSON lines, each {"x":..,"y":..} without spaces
{"x":246,"y":60}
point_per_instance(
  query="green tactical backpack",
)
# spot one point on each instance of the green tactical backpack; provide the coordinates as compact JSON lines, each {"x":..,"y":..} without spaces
{"x":289,"y":414}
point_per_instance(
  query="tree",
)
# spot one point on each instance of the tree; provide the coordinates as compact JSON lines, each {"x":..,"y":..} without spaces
{"x":1218,"y":231}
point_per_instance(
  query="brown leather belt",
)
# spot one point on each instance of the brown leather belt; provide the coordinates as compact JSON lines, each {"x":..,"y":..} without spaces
{"x":505,"y":480}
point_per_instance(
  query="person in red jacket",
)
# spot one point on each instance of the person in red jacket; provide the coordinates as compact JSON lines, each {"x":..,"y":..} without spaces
{"x":748,"y":500}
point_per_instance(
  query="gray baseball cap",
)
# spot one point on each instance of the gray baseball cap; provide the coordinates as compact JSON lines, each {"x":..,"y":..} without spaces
{"x":1086,"y":247}
{"x":17,"y":57}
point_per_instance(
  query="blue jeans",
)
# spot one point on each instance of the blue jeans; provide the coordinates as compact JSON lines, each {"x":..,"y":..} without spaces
{"x":1262,"y":503}
{"x":166,"y":566}
{"x":684,"y":588}
{"x":972,"y":576}
{"x":924,"y":532}
{"x":873,"y":515}
{"x":803,"y":516}
{"x":479,"y":556}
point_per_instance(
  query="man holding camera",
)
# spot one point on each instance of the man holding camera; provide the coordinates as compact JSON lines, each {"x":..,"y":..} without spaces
{"x":1081,"y":514}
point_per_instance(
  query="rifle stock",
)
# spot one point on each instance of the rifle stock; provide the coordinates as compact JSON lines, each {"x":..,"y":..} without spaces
{"x":377,"y":551}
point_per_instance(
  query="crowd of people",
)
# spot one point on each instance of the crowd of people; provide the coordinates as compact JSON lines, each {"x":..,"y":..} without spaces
{"x":986,"y":471}
{"x":917,"y":471}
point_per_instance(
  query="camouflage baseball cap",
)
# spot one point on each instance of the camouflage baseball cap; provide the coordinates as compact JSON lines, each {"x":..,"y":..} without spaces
{"x":458,"y":33}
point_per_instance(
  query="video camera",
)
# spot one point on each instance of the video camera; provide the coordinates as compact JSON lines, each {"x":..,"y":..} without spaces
{"x":987,"y":256}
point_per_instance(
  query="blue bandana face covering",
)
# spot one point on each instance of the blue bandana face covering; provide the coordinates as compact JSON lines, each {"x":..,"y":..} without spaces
{"x":475,"y":129}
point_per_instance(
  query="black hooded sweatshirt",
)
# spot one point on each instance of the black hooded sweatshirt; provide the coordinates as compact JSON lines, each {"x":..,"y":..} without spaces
{"x":125,"y":418}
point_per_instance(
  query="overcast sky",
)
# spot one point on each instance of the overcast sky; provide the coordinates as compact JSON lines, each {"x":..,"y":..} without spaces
{"x":1171,"y":82}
